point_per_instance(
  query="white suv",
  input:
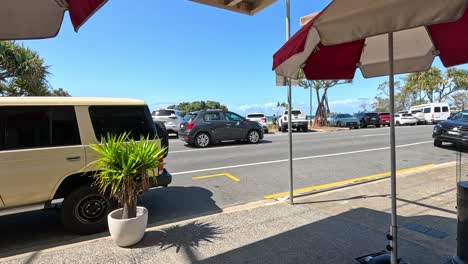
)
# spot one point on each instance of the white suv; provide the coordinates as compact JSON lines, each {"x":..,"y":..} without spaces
{"x":170,"y":117}
{"x":260,"y":118}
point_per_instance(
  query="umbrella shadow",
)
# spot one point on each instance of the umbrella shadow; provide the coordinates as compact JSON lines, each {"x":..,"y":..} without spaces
{"x":185,"y":239}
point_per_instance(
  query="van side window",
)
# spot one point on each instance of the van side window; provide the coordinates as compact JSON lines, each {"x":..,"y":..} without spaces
{"x":427,"y":110}
{"x":445,"y":109}
{"x":116,"y":120}
{"x":437,"y":109}
{"x":35,"y":127}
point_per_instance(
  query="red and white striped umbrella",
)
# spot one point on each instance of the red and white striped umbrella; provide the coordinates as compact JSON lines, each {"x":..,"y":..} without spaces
{"x":36,"y":19}
{"x":381,"y":37}
{"x":352,"y":33}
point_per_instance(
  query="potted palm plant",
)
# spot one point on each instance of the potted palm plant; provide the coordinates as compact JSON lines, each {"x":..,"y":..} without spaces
{"x":125,"y":169}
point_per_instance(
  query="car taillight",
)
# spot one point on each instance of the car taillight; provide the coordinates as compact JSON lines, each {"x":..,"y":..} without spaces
{"x":161,"y":168}
{"x":264,"y":119}
{"x":189,"y":126}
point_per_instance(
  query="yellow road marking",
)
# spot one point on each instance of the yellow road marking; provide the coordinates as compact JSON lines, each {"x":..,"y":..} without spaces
{"x":229,"y":175}
{"x":340,"y":183}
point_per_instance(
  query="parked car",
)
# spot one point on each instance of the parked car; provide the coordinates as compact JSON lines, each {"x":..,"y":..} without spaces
{"x":44,"y":154}
{"x":213,"y":126}
{"x":298,"y":119}
{"x":384,"y":118}
{"x":454,"y":130}
{"x":343,"y":120}
{"x":171,"y":119}
{"x":368,"y":119}
{"x":419,"y":115}
{"x":260,"y":118}
{"x":434,"y":112}
{"x":405,"y":119}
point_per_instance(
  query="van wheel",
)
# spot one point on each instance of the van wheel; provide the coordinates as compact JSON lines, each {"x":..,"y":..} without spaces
{"x":437,"y":143}
{"x":85,"y":210}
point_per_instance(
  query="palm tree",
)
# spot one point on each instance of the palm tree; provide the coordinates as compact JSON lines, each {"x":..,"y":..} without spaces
{"x":22,"y":71}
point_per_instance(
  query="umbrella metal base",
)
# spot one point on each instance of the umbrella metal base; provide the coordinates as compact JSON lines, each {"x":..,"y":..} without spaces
{"x":457,"y":260}
{"x":379,"y":258}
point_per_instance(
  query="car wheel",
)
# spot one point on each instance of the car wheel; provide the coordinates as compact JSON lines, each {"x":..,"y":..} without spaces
{"x":338,"y":124}
{"x":84,"y":211}
{"x":398,"y":123}
{"x":305,"y":129}
{"x":356,"y":127}
{"x":279,"y":128}
{"x":266,"y":131}
{"x":253,"y":137}
{"x":284,"y":129}
{"x":364,"y":126}
{"x":202,"y":140}
{"x":163,"y":135}
{"x":377,"y":126}
{"x":437,"y":143}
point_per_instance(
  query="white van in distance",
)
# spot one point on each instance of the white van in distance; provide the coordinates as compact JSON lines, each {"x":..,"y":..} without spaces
{"x":433,"y":112}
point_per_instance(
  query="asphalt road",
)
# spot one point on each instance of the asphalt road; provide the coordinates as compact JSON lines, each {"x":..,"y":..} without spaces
{"x":254,"y":170}
{"x":320,"y":158}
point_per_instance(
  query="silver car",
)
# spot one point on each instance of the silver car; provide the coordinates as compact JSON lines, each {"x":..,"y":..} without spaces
{"x":343,"y":120}
{"x":170,"y":117}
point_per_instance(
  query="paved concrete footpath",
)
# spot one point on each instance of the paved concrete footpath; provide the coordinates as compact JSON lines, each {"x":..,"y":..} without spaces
{"x":332,"y":227}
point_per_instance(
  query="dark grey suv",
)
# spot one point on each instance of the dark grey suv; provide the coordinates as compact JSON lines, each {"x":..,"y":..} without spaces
{"x":211,"y":126}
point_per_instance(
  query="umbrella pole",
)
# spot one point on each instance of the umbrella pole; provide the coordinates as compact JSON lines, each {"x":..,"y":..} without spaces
{"x":291,"y":186}
{"x":393,"y":229}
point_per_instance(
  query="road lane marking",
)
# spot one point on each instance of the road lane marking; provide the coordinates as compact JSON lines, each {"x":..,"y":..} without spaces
{"x":374,"y":135}
{"x":295,"y":159}
{"x":229,"y":175}
{"x":342,"y":183}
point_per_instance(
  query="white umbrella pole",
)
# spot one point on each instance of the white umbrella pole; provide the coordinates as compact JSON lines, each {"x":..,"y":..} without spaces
{"x":288,"y":35}
{"x":394,"y":228}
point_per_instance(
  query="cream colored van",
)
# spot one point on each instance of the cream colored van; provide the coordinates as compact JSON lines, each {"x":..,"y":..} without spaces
{"x":43,"y":150}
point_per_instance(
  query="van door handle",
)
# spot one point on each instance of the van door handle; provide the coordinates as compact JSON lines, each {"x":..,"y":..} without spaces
{"x":74,"y":158}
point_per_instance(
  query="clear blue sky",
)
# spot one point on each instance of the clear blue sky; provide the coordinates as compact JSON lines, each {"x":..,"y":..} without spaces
{"x":166,"y":52}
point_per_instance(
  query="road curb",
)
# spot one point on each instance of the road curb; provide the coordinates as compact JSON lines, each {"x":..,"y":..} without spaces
{"x":350,"y":185}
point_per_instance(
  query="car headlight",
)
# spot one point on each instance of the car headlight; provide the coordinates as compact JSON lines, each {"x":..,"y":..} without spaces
{"x":437,"y":129}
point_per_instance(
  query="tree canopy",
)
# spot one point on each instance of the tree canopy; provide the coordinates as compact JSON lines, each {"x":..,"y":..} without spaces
{"x":429,"y":86}
{"x":186,"y":107}
{"x":23,"y":72}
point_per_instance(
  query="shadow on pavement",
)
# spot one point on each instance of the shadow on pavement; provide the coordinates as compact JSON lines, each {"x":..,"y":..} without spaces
{"x":26,"y":232}
{"x":186,"y":238}
{"x":342,"y":238}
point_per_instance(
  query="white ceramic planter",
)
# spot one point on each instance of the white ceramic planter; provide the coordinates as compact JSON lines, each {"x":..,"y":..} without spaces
{"x":127,"y":232}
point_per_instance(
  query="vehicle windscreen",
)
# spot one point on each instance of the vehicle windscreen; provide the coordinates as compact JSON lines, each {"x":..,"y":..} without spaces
{"x":344,"y":116}
{"x":257,"y":115}
{"x":372,"y":115}
{"x":384,"y":114}
{"x":462,"y":117}
{"x":163,"y":113}
{"x":407,"y":115}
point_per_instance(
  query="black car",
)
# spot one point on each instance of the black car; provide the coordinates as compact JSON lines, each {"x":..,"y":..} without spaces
{"x":454,"y":130}
{"x":369,"y":119}
{"x":211,"y":126}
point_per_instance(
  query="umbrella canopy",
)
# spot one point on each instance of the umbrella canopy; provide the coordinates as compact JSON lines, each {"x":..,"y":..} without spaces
{"x":36,"y":19}
{"x":348,"y":34}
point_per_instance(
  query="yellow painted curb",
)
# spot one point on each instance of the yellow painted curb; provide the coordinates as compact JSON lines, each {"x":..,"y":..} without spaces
{"x":342,"y":183}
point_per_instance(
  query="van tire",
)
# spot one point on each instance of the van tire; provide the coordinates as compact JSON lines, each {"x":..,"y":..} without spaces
{"x":77,"y":219}
{"x":163,"y":135}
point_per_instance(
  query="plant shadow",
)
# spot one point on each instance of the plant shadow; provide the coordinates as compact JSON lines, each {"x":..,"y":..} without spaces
{"x":185,"y":239}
